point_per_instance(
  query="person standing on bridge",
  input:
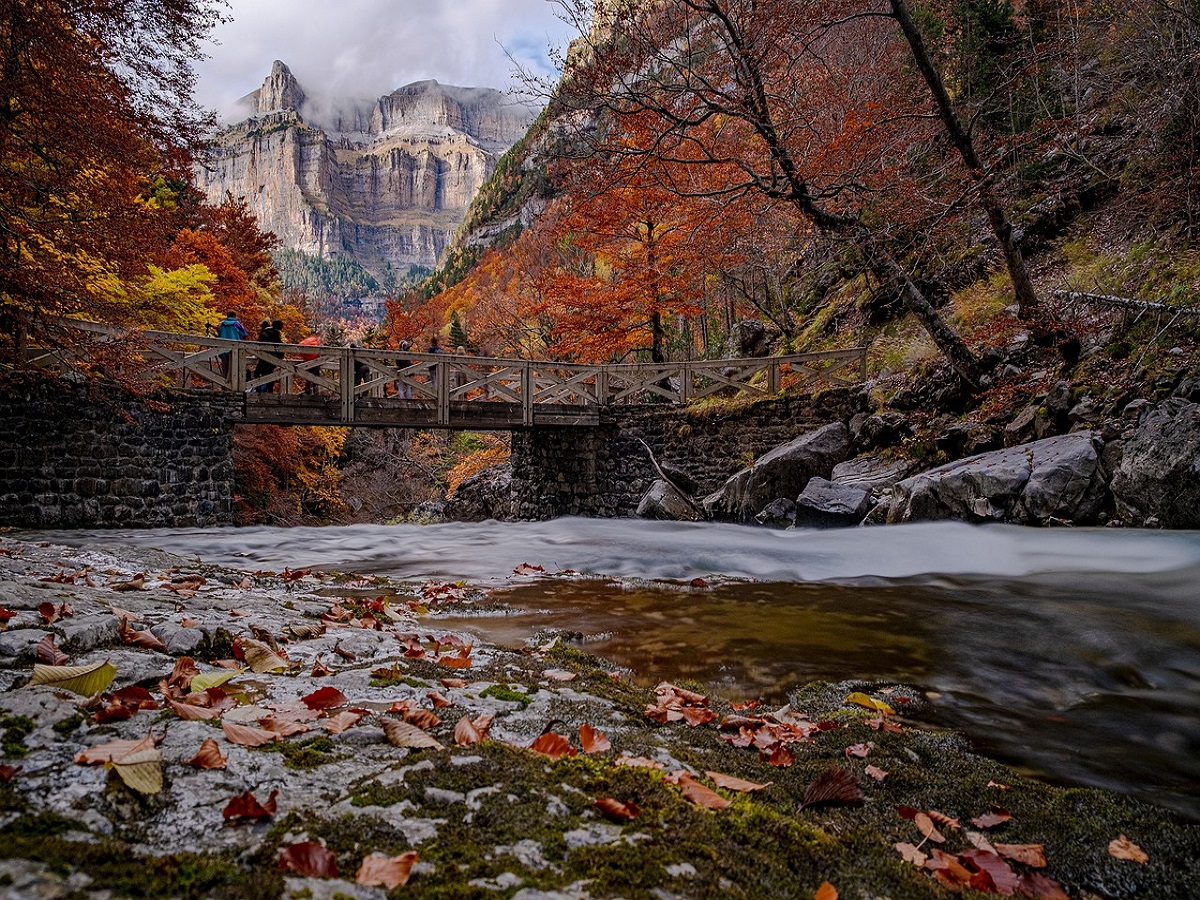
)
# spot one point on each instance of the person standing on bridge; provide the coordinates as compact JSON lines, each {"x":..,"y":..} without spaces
{"x":434,"y":347}
{"x":269,"y":333}
{"x":229,"y":329}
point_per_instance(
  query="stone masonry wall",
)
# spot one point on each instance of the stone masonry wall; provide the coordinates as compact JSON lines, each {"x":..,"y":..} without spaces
{"x":605,"y":471}
{"x":78,"y":457}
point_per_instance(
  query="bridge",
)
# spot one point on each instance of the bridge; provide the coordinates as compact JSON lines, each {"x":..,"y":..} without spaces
{"x":294,"y":384}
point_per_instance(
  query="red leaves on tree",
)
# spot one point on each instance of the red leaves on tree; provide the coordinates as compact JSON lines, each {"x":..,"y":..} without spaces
{"x":246,"y":806}
{"x":309,"y":859}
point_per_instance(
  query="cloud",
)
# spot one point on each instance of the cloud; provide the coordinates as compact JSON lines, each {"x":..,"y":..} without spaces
{"x":367,"y":48}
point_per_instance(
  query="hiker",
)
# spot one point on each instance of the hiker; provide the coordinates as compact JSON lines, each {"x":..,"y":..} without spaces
{"x":268,"y":333}
{"x":361,"y":370}
{"x":403,"y":388}
{"x":229,"y":329}
{"x":434,"y":347}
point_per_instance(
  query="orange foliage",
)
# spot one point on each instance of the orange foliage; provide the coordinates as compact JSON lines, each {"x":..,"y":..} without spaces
{"x":288,"y":475}
{"x":493,"y":455}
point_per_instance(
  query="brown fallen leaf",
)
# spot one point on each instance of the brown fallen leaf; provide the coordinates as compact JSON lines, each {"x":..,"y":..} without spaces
{"x":559,"y":675}
{"x":325,"y":698}
{"x":1032,"y":855}
{"x":731,"y":783}
{"x":826,"y":892}
{"x":638,"y":762}
{"x":343,"y":720}
{"x":781,"y":757}
{"x":944,"y":820}
{"x":927,"y":828}
{"x":283,"y":726}
{"x":616,"y":810}
{"x":877,"y":773}
{"x":911,"y":854}
{"x":701,"y":795}
{"x":193,"y":712}
{"x":468,"y":732}
{"x":593,"y":741}
{"x":319,"y":669}
{"x":309,"y":859}
{"x":553,"y":745}
{"x":209,"y":756}
{"x":998,"y":816}
{"x":858,"y":750}
{"x":144,"y":639}
{"x":246,"y":806}
{"x":1037,"y":885}
{"x":261,"y":658}
{"x":246,"y":735}
{"x":1004,"y":880}
{"x":1125,"y":849}
{"x":454,"y":683}
{"x":438,"y":701}
{"x":392,"y":872}
{"x":49,"y":654}
{"x":836,"y":786}
{"x":404,"y":735}
{"x":7,"y":772}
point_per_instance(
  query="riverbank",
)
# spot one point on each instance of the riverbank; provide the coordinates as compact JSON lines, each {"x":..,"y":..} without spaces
{"x":331,"y":681}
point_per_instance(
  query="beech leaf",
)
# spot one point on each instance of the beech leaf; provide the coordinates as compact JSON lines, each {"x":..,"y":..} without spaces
{"x":466,"y":734}
{"x":858,"y":698}
{"x":836,"y":786}
{"x":193,"y":712}
{"x":309,"y":859}
{"x":343,"y":720}
{"x":552,"y":745}
{"x":1124,"y":848}
{"x":392,"y":872}
{"x":246,"y":806}
{"x":616,"y":810}
{"x":998,"y":816}
{"x":826,"y":892}
{"x":911,"y":854}
{"x":701,"y":795}
{"x":208,"y":680}
{"x":593,"y":741}
{"x":730,"y":783}
{"x":406,"y":735}
{"x":325,"y":698}
{"x":877,"y":773}
{"x":83,"y":680}
{"x":246,"y":735}
{"x":1032,"y":855}
{"x":858,"y":750}
{"x":927,"y":828}
{"x":209,"y":756}
{"x":141,"y":767}
{"x":49,"y":654}
{"x":261,"y":658}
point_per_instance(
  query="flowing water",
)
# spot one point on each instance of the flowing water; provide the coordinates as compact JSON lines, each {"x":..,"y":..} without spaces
{"x":1073,"y":654}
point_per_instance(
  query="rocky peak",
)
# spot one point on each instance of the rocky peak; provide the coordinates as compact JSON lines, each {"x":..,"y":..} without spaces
{"x":280,"y":91}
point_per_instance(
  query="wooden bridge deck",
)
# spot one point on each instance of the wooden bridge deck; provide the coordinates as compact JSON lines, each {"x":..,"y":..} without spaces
{"x":291,"y":384}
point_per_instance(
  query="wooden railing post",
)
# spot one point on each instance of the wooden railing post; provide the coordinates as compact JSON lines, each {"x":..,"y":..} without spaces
{"x":602,"y":388}
{"x":237,"y":370}
{"x":526,"y":393}
{"x":443,"y":393}
{"x":346,"y":376}
{"x":685,"y":383}
{"x":774,"y":378}
{"x":862,"y":363}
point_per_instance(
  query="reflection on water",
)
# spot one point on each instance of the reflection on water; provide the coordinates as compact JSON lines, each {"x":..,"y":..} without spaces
{"x":1073,"y":653}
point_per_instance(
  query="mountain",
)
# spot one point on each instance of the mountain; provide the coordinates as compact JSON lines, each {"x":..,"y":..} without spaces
{"x":386,"y":182}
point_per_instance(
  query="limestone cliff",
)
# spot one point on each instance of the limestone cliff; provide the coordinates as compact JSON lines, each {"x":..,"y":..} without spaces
{"x":386,"y":181}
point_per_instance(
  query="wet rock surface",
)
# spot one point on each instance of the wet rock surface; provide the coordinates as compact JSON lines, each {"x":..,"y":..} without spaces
{"x":514,"y":815}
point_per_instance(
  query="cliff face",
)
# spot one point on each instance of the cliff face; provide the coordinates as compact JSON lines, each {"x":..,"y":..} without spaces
{"x":386,"y":182}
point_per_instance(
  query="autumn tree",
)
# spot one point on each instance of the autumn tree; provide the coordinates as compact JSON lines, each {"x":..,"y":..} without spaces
{"x":790,"y":100}
{"x":95,"y":98}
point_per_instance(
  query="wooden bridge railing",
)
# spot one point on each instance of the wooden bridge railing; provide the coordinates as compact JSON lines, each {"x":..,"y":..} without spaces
{"x":293,"y":383}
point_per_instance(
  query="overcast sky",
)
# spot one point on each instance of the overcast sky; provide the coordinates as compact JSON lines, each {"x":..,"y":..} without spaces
{"x":367,"y":48}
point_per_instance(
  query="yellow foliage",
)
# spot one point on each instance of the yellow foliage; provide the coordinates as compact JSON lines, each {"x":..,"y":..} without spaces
{"x":477,"y":462}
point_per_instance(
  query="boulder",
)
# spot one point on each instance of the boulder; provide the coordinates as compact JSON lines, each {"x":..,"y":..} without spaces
{"x":483,"y":496}
{"x":779,"y":513}
{"x":1158,"y":476}
{"x":664,"y":501}
{"x":879,"y":430}
{"x":1059,"y":478}
{"x":783,"y":472}
{"x":827,"y":505}
{"x":871,"y":472}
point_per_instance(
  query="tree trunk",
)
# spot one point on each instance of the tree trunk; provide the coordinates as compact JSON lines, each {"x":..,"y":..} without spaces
{"x":985,"y":180}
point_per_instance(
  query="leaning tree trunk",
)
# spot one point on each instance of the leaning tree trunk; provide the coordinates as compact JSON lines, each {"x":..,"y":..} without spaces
{"x":984,"y":178}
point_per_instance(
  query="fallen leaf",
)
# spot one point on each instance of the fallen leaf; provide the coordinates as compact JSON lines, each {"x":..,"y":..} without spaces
{"x":310,"y":859}
{"x":552,"y":745}
{"x":701,"y":795}
{"x":86,"y":681}
{"x":826,"y":892}
{"x":858,"y":750}
{"x":193,"y":712}
{"x":392,"y":872}
{"x":134,"y":584}
{"x":638,"y":762}
{"x":858,"y":698}
{"x":944,"y":820}
{"x":781,"y":757}
{"x":912,"y":854}
{"x":466,"y":734}
{"x":319,"y":669}
{"x":402,"y":734}
{"x":616,"y":810}
{"x":438,"y":701}
{"x":325,"y":698}
{"x":49,"y":654}
{"x":103,"y":753}
{"x":732,"y":783}
{"x":1038,"y":886}
{"x":1004,"y":879}
{"x":261,"y":658}
{"x":999,"y":786}
{"x":455,"y":662}
{"x":140,"y":767}
{"x":877,"y":773}
{"x":527,"y":569}
{"x":209,"y":756}
{"x":282,"y":726}
{"x":978,"y":841}
{"x":559,"y":675}
{"x":246,"y":806}
{"x":927,"y":828}
{"x":593,"y":741}
{"x":7,"y":773}
{"x":343,"y":720}
{"x":1032,"y":855}
{"x":998,"y":816}
{"x":1123,"y":848}
{"x":145,"y":639}
{"x":246,"y":735}
{"x":422,"y":718}
{"x":836,"y":786}
{"x":208,"y":680}
{"x":6,"y":614}
{"x":454,"y":682}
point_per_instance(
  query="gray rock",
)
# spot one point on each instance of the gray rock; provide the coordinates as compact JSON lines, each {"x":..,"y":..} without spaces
{"x":871,"y":472}
{"x":882,"y":430}
{"x":1021,"y":429}
{"x":779,"y":513}
{"x":824,"y":504}
{"x":1059,"y":478}
{"x":663,"y":501}
{"x":1159,"y":472}
{"x":784,"y":472}
{"x":19,"y":643}
{"x":682,"y":479}
{"x":487,"y":495}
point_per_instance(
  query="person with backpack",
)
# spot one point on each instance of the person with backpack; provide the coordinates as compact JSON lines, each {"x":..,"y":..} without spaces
{"x":229,"y":329}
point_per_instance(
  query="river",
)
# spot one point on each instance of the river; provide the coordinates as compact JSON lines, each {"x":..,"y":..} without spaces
{"x":1073,"y":654}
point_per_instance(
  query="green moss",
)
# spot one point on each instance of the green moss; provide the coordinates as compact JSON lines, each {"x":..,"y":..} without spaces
{"x":69,"y":724}
{"x":16,"y":729}
{"x":310,"y":754}
{"x":507,"y":694}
